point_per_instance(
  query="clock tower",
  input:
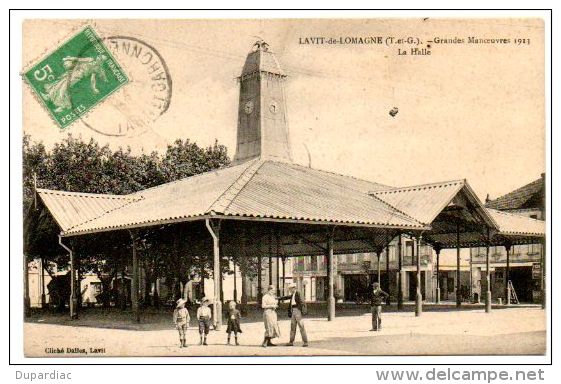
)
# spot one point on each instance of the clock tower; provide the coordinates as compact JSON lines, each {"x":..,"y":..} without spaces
{"x":262,"y":120}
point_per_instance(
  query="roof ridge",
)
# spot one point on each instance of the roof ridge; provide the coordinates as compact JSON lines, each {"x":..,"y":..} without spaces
{"x":223,"y":201}
{"x":130,"y":201}
{"x":85,"y":194}
{"x":419,"y":186}
{"x":393,"y":209}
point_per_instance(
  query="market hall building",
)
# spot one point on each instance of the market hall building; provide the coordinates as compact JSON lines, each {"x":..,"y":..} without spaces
{"x":264,"y":205}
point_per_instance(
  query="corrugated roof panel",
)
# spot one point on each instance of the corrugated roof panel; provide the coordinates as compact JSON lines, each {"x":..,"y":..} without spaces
{"x":70,"y":209}
{"x":423,"y":202}
{"x":513,"y":224}
{"x":289,"y":191}
{"x":188,"y":197}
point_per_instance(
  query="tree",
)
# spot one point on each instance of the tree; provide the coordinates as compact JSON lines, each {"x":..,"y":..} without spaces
{"x":78,"y":166}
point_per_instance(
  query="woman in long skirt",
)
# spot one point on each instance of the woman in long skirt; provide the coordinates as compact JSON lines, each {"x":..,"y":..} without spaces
{"x":269,"y":305}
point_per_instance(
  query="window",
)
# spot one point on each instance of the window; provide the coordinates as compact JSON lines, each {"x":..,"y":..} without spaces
{"x":534,"y":217}
{"x":534,"y":249}
{"x":392,"y":252}
{"x":313,"y":263}
{"x":300,"y":264}
{"x":409,"y":244}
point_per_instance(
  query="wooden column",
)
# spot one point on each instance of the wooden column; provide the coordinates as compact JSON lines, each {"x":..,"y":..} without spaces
{"x":134,"y":282}
{"x":419,"y":295}
{"x":330,"y":276}
{"x":458,"y":274}
{"x":488,"y":274}
{"x":399,"y":282}
{"x":437,"y":249}
{"x":213,"y":227}
{"x":388,"y":286}
{"x":507,"y":274}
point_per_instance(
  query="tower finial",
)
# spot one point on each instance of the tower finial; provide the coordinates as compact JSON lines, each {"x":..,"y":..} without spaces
{"x":260,"y":45}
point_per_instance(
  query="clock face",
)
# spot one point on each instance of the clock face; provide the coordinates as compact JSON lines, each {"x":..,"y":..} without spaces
{"x":248,"y":107}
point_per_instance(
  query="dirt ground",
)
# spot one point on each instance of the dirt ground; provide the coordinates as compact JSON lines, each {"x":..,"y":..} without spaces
{"x":440,"y":331}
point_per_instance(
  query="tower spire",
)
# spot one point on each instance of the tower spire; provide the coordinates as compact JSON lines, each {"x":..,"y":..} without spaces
{"x":262,"y":116}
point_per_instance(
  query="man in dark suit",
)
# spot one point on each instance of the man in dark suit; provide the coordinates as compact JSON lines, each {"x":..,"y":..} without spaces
{"x":376,"y":300}
{"x":295,"y":312}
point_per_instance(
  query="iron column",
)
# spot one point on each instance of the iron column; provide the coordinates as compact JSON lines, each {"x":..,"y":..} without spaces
{"x":134,"y":282}
{"x":488,"y":275}
{"x":277,"y":263}
{"x":543,"y":265}
{"x":330,"y":277}
{"x":214,"y":229}
{"x":73,"y":302}
{"x":388,"y":287}
{"x":437,"y":249}
{"x":399,"y":282}
{"x":419,"y":295}
{"x":507,"y":275}
{"x":458,"y":275}
{"x":378,"y":253}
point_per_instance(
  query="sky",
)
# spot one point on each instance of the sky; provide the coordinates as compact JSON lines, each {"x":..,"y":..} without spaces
{"x":473,"y":111}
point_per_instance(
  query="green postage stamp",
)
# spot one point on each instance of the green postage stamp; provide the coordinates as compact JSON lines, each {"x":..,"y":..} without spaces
{"x":77,"y":76}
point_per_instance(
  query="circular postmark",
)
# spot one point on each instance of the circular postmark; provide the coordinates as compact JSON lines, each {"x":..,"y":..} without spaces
{"x":133,"y":110}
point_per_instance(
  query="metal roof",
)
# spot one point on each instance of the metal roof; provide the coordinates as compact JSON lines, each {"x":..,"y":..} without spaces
{"x":423,"y":202}
{"x":171,"y":202}
{"x":278,"y":191}
{"x":289,"y":191}
{"x":261,"y":189}
{"x":511,"y":224}
{"x":70,"y":209}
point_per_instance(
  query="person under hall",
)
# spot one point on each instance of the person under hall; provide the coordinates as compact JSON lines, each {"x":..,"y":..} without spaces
{"x":376,"y":299}
{"x":204,"y":316}
{"x":269,"y":303}
{"x":181,"y":321}
{"x":233,"y":322}
{"x":296,"y":311}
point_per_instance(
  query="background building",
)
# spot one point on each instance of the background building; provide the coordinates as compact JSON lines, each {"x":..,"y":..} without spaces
{"x":356,"y":272}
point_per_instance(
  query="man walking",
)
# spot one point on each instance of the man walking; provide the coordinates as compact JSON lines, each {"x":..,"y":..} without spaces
{"x":295,"y":312}
{"x":376,"y":300}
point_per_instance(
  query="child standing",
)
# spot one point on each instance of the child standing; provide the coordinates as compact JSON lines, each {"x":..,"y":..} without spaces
{"x":233,"y":322}
{"x":181,"y":320}
{"x":204,"y":315}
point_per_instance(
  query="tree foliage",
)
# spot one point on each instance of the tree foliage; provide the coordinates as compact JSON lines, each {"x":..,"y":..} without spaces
{"x":86,"y":166}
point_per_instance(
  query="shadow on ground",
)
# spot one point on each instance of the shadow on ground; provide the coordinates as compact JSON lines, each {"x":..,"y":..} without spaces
{"x":152,"y":319}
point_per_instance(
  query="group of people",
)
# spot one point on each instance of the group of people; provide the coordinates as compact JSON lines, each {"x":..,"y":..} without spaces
{"x":181,"y":320}
{"x":296,"y":311}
